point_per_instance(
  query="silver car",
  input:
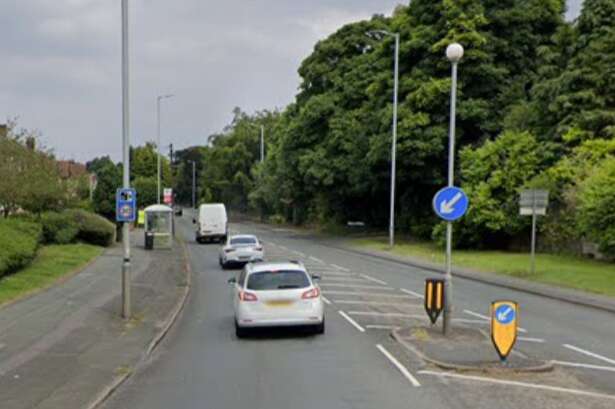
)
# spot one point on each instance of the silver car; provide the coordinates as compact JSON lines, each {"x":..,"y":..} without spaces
{"x":241,"y":249}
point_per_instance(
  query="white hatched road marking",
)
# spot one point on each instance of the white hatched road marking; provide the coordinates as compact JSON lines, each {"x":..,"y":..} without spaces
{"x":360,"y":294}
{"x":385,"y":327}
{"x":367,"y":287}
{"x":589,"y":353}
{"x":299,"y":253}
{"x":484,"y":317}
{"x":399,"y":366}
{"x":535,"y":340}
{"x":351,"y":321}
{"x":375,"y":280}
{"x":402,"y":315}
{"x":325,"y":299}
{"x":520,"y":384}
{"x":587,"y":366}
{"x":339,"y":267}
{"x":355,"y":302}
{"x":410,"y":292}
{"x":319,"y":261}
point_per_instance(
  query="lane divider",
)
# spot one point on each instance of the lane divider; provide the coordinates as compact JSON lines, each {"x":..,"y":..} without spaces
{"x":405,"y":372}
{"x":587,"y":366}
{"x":325,"y":300}
{"x":339,"y":267}
{"x":351,"y":321}
{"x":410,"y":292}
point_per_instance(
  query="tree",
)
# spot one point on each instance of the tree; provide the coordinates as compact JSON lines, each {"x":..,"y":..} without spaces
{"x":109,"y":179}
{"x":146,"y":188}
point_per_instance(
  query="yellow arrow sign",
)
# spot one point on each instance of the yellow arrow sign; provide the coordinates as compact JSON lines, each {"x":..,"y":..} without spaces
{"x":504,"y":323}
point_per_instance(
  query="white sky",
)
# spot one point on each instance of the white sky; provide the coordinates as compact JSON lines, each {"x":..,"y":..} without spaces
{"x":60,"y":64}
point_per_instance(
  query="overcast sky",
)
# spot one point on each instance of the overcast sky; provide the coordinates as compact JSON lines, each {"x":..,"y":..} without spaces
{"x":60,"y":64}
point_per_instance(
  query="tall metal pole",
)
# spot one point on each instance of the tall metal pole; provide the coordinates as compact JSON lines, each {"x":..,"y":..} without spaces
{"x":125,"y":160}
{"x":394,"y":145}
{"x":262,"y":143}
{"x":193,"y":185}
{"x":533,"y":257}
{"x":448,"y":287}
{"x":158,"y":164}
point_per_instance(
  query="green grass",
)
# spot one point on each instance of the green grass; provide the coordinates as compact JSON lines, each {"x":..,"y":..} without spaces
{"x":51,"y":264}
{"x":561,"y":270}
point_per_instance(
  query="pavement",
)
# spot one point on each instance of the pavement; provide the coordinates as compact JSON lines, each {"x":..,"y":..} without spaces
{"x":357,"y":363}
{"x":67,"y":347}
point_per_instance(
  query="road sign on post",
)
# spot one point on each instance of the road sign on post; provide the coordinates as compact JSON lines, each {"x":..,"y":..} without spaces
{"x":450,"y":203}
{"x":126,"y":205}
{"x":434,"y":298}
{"x":504,"y":324}
{"x":533,"y":203}
{"x":168,"y":196}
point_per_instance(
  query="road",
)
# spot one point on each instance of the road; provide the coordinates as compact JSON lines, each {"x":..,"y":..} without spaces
{"x":356,"y":364}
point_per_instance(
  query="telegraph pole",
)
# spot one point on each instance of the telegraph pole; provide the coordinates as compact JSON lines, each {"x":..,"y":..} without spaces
{"x":125,"y":160}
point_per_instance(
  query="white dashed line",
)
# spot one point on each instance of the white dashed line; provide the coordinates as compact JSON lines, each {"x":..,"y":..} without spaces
{"x":325,"y":300}
{"x":535,"y":340}
{"x":587,"y":366}
{"x":399,"y":366}
{"x":410,"y":292}
{"x":375,"y":280}
{"x":351,"y":321}
{"x":520,"y":384}
{"x":339,"y":267}
{"x":589,"y":353}
{"x":299,"y":253}
{"x":383,"y":314}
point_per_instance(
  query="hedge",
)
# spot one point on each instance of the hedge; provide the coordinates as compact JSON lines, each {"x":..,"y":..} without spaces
{"x":19,"y":240}
{"x":59,"y":228}
{"x":92,"y":228}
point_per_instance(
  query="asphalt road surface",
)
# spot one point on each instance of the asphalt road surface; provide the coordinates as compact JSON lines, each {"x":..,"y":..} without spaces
{"x":356,"y":364}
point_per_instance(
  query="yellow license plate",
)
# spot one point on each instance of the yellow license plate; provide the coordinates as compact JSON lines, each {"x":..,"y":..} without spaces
{"x":279,"y":303}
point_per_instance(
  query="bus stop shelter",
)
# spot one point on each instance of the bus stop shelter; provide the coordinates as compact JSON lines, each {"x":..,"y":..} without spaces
{"x":158,"y":227}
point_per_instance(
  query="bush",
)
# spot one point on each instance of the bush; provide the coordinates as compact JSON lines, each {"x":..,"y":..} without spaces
{"x":92,"y":228}
{"x":277,"y":219}
{"x":19,"y":240}
{"x":59,"y":228}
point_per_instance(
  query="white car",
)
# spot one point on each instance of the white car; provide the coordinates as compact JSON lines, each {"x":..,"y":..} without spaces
{"x":278,"y":294}
{"x":241,"y":249}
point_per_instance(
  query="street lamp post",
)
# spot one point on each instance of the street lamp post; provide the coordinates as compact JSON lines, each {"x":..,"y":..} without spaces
{"x":262,"y":143}
{"x":125,"y":161}
{"x":454,"y":53}
{"x":394,"y":138}
{"x":159,"y":165}
{"x":193,"y":184}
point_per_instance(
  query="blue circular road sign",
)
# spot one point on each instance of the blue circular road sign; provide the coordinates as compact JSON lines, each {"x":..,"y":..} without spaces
{"x":450,"y":203}
{"x":505,"y":313}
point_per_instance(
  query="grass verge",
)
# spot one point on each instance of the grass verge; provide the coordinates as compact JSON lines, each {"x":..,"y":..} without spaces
{"x":561,"y":270}
{"x":51,"y":264}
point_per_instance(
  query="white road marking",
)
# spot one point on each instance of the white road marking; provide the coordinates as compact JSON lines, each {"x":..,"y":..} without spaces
{"x":410,"y":292}
{"x":355,"y":302}
{"x":283,"y":247}
{"x":367,"y":287}
{"x":351,"y":321}
{"x":339,"y":267}
{"x":325,"y":299}
{"x":363,"y":294}
{"x":517,"y":383}
{"x":319,"y":261}
{"x":484,"y":317}
{"x":589,"y":353}
{"x":340,"y":275}
{"x":475,"y":314}
{"x":527,"y":339}
{"x":375,"y":280}
{"x":385,"y":327}
{"x":587,"y":366}
{"x":399,"y":366}
{"x":382,"y":314}
{"x":299,"y":253}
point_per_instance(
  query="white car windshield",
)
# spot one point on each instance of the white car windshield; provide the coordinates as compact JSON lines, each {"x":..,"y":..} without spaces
{"x":243,"y":241}
{"x":278,"y":280}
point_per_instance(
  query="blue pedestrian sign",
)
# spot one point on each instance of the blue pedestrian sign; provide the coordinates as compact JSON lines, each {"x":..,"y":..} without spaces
{"x":450,"y":203}
{"x":126,"y":205}
{"x":505,"y":313}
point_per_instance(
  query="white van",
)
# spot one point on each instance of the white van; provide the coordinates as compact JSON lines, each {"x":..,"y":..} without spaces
{"x":212,"y":223}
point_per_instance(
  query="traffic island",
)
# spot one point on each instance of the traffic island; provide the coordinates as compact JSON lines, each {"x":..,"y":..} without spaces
{"x":465,"y":349}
